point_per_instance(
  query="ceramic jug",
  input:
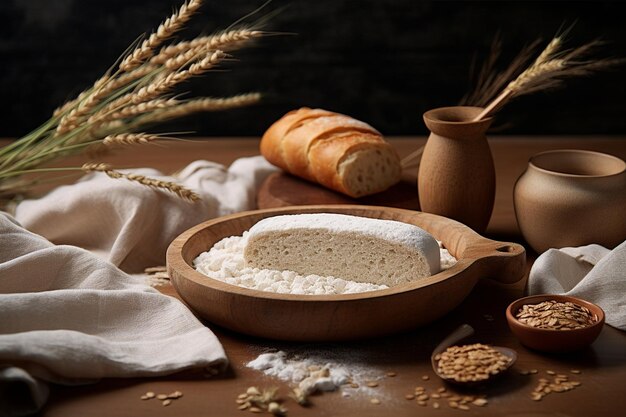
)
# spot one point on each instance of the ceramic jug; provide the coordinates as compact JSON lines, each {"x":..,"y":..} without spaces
{"x":456,"y":177}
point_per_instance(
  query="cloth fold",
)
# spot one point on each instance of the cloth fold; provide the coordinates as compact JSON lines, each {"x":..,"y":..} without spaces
{"x":70,"y":312}
{"x":592,"y":272}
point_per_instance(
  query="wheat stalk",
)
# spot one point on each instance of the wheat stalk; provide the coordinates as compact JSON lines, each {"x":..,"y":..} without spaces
{"x":179,"y":190}
{"x":118,"y":107}
{"x":224,"y":41}
{"x":204,"y":105}
{"x":165,"y":30}
{"x":548,"y":71}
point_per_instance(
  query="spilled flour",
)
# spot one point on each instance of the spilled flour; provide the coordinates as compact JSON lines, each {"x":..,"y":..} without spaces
{"x":317,"y":373}
{"x":225,"y":262}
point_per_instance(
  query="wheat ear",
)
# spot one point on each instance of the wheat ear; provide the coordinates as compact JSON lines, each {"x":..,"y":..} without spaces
{"x":224,"y":41}
{"x":129,"y":139}
{"x":165,"y":30}
{"x":179,"y":190}
{"x":203,"y":105}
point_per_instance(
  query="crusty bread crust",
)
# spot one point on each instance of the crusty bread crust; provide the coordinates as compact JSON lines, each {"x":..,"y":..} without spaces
{"x":311,"y":143}
{"x":297,"y":142}
{"x":271,"y":143}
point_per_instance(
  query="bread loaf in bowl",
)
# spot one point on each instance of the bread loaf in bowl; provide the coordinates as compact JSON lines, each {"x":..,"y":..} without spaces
{"x":350,"y":247}
{"x":332,"y":149}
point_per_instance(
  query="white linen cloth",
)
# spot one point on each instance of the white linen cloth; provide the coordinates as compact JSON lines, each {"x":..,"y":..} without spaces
{"x":593,"y":273}
{"x":69,"y":315}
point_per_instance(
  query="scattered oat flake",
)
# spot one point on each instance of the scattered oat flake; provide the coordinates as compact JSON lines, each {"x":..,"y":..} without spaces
{"x":524,"y":372}
{"x":550,"y":372}
{"x":372,"y":384}
{"x":375,"y":401}
{"x":409,"y":396}
{"x":166,"y":403}
{"x":463,"y":407}
{"x":425,"y":377}
{"x":575,"y":371}
{"x":533,"y":371}
{"x":391,"y":374}
{"x":479,"y":402}
{"x":162,"y":397}
{"x":422,"y":403}
{"x":255,"y":410}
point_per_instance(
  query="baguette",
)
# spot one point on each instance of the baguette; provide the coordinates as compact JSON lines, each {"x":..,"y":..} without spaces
{"x":332,"y":149}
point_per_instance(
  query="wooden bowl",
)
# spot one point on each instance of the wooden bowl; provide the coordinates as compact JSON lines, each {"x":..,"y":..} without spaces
{"x":344,"y":316}
{"x":549,"y":340}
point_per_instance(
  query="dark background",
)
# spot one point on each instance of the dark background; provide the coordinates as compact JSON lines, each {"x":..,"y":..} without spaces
{"x":382,"y":61}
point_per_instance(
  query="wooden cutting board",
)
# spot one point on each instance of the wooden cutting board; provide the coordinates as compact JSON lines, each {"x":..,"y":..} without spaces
{"x":281,"y":190}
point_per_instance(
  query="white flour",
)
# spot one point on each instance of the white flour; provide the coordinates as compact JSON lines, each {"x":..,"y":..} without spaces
{"x":224,"y":262}
{"x":317,"y":373}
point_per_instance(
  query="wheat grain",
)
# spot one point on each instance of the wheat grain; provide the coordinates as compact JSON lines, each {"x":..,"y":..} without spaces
{"x":129,"y":139}
{"x":165,"y":30}
{"x":177,"y":189}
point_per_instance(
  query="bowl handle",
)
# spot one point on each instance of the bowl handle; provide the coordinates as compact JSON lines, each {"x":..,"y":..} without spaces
{"x":501,"y":261}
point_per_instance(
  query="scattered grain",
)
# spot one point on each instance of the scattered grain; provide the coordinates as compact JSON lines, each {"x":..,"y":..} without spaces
{"x":391,"y":374}
{"x":435,"y":405}
{"x":375,"y":401}
{"x":480,"y":402}
{"x":575,"y":371}
{"x":463,"y":407}
{"x":425,"y":377}
{"x":422,"y":403}
{"x":166,"y":403}
{"x":550,"y":372}
{"x":409,"y":396}
{"x":255,"y":410}
{"x":162,"y":397}
{"x":372,"y":384}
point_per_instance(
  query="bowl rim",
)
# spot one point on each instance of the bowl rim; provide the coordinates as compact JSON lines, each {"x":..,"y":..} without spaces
{"x":198,"y":277}
{"x":537,"y":298}
{"x":532,"y":162}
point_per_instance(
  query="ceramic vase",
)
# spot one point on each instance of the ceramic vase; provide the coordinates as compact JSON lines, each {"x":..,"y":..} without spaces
{"x":572,"y":198}
{"x":456,"y":177}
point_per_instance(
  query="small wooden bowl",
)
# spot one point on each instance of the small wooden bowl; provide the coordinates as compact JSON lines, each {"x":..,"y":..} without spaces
{"x":345,"y":316}
{"x":549,"y":340}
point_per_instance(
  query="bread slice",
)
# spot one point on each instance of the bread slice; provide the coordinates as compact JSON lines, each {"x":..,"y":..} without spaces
{"x":357,"y":164}
{"x":355,"y":248}
{"x":299,"y":140}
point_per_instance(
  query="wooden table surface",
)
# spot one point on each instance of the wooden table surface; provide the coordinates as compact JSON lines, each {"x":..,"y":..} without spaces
{"x":603,"y":365}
